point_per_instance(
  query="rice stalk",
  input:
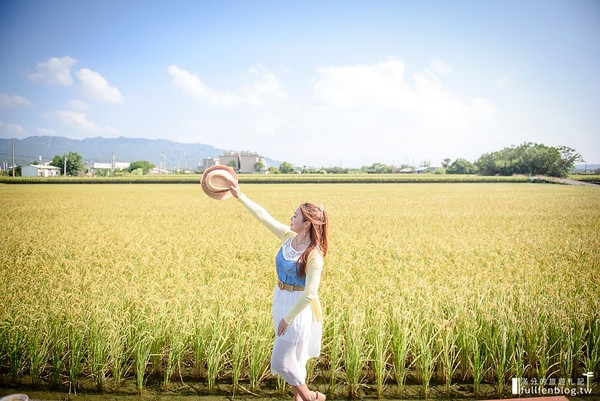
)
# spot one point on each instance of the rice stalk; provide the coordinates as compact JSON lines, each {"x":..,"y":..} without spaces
{"x":531,"y":342}
{"x":281,"y":386}
{"x":380,"y":345}
{"x":311,"y":368}
{"x":58,"y":347}
{"x":547,"y":354}
{"x":591,"y":358}
{"x":449,"y":353}
{"x":15,"y":347}
{"x":216,"y":351}
{"x":334,"y":347}
{"x":518,"y":366}
{"x":239,"y":349}
{"x":176,"y":347}
{"x":142,"y":344}
{"x":570,"y":350}
{"x":424,"y":339}
{"x":400,"y":349}
{"x":118,"y":353}
{"x":76,"y":353}
{"x":477,"y":361}
{"x":200,"y":344}
{"x":38,"y":349}
{"x":356,"y":352}
{"x":259,"y":354}
{"x":97,"y":353}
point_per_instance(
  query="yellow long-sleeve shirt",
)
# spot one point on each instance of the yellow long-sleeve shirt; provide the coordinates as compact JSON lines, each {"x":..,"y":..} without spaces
{"x":314,"y":263}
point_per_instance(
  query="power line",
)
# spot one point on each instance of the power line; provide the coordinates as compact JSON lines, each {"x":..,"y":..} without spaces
{"x":17,"y":155}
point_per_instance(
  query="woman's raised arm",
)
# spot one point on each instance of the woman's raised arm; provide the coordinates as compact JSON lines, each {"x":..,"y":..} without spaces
{"x":260,"y":213}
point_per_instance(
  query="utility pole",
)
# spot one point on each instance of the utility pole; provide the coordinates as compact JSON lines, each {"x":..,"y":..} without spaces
{"x":13,"y":155}
{"x":65,"y":166}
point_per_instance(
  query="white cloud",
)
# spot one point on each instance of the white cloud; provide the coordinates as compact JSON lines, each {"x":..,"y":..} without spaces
{"x":75,"y":119}
{"x":78,"y":105}
{"x":264,"y":128}
{"x":54,"y":71}
{"x":7,"y":100}
{"x":354,"y":115}
{"x":356,"y":86}
{"x":194,"y":86}
{"x":440,"y":67}
{"x":97,"y":87}
{"x":80,"y":122}
{"x":384,"y":91}
{"x":12,"y":130}
{"x":266,"y":86}
{"x":505,"y":79}
{"x":376,"y":112}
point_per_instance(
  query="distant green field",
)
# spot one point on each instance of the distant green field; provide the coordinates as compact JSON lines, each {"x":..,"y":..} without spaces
{"x":287,"y":179}
{"x":276,"y":178}
{"x":586,"y":177}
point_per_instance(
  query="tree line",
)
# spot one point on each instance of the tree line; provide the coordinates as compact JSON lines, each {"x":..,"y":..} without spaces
{"x":71,"y":165}
{"x":529,"y":158}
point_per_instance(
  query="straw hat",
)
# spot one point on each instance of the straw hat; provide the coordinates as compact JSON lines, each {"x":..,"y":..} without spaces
{"x":216,"y":181}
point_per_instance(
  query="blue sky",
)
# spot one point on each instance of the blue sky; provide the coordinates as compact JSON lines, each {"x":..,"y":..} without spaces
{"x":323,"y":83}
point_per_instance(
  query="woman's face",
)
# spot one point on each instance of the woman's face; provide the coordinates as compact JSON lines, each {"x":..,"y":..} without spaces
{"x":297,"y":223}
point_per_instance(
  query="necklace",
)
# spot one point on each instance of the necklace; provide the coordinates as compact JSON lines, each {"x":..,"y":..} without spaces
{"x":300,"y":243}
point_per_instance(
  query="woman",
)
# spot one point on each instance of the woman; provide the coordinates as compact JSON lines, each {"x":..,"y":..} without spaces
{"x":297,"y":316}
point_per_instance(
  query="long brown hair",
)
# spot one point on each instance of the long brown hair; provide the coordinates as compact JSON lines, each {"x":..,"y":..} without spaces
{"x":319,"y":227}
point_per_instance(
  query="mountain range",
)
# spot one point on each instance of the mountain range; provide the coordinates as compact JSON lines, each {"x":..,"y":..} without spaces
{"x":99,"y":149}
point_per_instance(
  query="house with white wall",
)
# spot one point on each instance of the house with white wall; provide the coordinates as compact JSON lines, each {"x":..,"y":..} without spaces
{"x":40,"y":170}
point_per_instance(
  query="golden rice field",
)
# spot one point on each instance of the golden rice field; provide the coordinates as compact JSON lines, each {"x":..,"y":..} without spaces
{"x":425,"y":284}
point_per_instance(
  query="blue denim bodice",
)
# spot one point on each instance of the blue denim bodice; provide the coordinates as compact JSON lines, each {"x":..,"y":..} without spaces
{"x":286,"y":270}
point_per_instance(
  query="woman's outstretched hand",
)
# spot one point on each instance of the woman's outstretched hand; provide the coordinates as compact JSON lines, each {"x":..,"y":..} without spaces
{"x":234,"y":188}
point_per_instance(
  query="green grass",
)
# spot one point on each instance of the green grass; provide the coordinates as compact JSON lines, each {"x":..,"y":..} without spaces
{"x":586,"y":177}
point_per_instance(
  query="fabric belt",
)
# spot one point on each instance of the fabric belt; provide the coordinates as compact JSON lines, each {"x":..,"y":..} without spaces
{"x":288,"y":287}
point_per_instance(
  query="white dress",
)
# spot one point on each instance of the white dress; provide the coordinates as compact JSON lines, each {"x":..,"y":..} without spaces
{"x":302,"y":339}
